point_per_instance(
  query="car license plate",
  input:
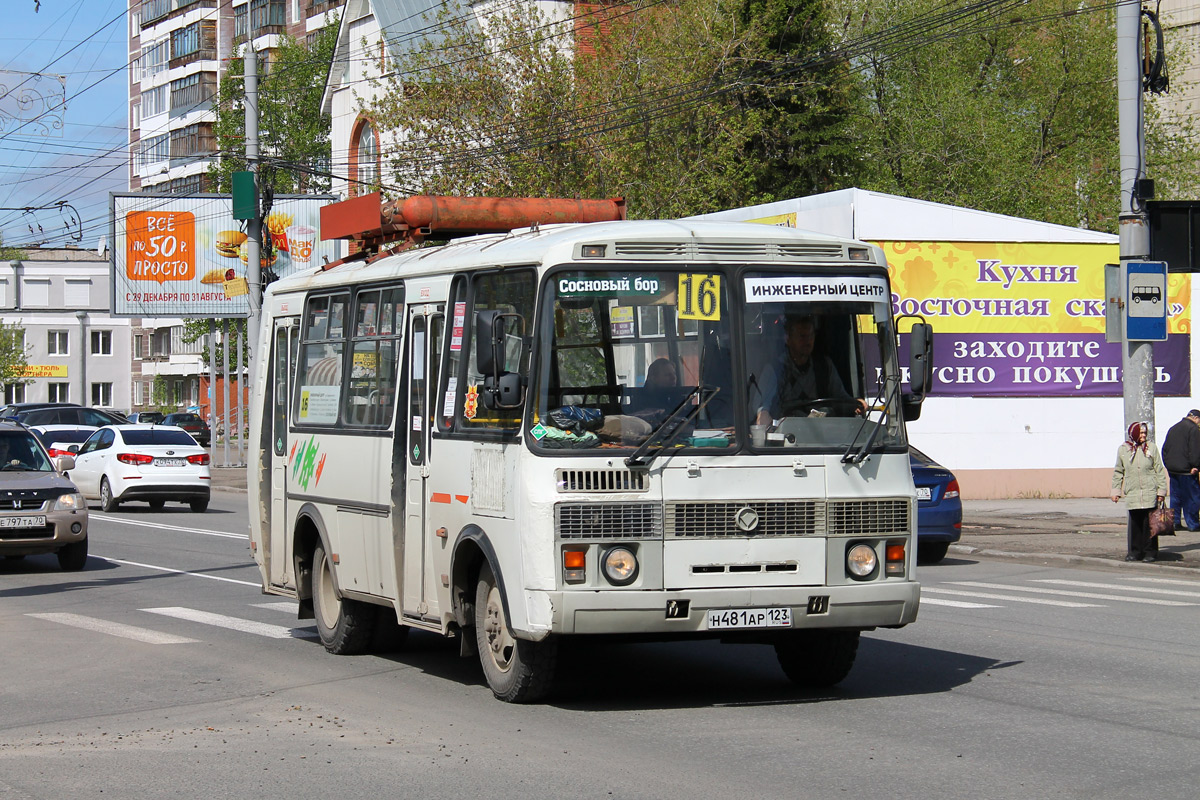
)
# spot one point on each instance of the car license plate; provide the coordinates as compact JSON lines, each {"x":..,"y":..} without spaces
{"x":170,"y":462}
{"x":23,"y":522}
{"x":924,"y":493}
{"x":730,"y":618}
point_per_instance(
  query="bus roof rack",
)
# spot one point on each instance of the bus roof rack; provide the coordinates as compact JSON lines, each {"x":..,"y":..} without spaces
{"x":371,"y":223}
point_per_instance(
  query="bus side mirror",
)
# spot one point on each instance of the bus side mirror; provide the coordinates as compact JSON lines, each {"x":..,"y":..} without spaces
{"x":920,"y":359}
{"x":501,"y":389}
{"x":489,"y":338}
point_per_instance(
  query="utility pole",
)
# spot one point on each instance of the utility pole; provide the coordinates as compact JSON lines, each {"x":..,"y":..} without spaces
{"x":1137,"y":358}
{"x":254,"y":224}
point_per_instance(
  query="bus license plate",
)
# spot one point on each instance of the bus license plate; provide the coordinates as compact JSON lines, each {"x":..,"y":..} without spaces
{"x":732,"y":618}
{"x":170,"y":462}
{"x":924,"y":493}
{"x":23,"y":522}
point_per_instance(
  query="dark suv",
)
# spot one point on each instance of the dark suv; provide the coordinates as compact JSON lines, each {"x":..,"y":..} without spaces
{"x":60,"y":414}
{"x":192,"y":423}
{"x":41,"y":511}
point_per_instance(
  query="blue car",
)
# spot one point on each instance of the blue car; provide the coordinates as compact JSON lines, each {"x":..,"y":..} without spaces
{"x":939,"y":508}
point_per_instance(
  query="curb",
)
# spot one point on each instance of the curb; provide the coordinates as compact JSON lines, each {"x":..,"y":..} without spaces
{"x":966,"y":549}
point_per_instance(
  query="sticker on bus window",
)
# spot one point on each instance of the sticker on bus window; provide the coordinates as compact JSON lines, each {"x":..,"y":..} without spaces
{"x":456,"y":330}
{"x":471,"y":402}
{"x":621,"y":321}
{"x":451,"y":397}
{"x":699,"y":297}
{"x":813,"y":288}
{"x":319,"y":404}
{"x":416,"y":424}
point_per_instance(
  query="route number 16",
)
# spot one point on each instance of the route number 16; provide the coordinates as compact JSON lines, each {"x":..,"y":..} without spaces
{"x":699,"y":297}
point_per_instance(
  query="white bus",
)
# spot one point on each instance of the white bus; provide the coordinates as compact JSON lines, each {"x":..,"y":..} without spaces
{"x":674,"y":429}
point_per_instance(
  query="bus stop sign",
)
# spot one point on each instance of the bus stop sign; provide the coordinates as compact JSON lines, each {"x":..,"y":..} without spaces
{"x":1146,"y":301}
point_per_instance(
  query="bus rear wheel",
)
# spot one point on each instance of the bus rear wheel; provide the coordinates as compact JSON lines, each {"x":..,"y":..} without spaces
{"x":345,"y":626}
{"x":817,"y":659}
{"x":517,"y":670}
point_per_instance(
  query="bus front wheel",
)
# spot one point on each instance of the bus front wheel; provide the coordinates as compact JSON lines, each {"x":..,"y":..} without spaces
{"x":517,"y":670}
{"x":345,"y":625}
{"x":817,"y":658}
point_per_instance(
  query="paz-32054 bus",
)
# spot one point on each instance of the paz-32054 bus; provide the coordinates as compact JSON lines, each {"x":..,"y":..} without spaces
{"x":675,"y":429}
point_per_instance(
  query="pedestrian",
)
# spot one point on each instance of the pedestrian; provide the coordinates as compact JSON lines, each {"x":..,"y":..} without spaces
{"x":1181,"y":457}
{"x":1141,"y":477}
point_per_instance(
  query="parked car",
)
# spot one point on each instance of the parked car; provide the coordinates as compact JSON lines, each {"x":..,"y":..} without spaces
{"x":60,"y":414}
{"x":151,"y":417}
{"x":57,"y":439}
{"x":151,"y":463}
{"x":41,"y":510}
{"x":192,"y":423}
{"x":939,"y":507}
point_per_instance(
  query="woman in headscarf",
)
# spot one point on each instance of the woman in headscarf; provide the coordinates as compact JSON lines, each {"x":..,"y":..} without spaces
{"x":1141,"y":477}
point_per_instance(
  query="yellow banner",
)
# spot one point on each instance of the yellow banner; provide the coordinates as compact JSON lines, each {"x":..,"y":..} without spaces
{"x":44,"y":371}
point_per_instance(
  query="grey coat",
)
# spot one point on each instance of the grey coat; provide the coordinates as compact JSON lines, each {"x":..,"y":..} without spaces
{"x":1141,"y":477}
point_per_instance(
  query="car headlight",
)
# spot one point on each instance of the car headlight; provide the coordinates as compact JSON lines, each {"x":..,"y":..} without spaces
{"x":72,"y":501}
{"x":861,"y":560}
{"x":620,"y":566}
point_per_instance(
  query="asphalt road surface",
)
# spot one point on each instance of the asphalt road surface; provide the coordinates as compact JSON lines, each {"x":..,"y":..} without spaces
{"x":162,"y":671}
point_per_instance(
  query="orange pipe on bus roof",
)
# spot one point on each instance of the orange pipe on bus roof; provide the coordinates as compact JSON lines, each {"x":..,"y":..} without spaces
{"x":443,"y":214}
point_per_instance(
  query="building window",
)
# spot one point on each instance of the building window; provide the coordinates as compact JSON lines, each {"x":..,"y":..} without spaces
{"x":154,"y":101}
{"x":58,"y":343}
{"x":191,"y":184}
{"x":195,"y":90}
{"x":266,"y":14}
{"x":138,"y":348}
{"x":36,"y":292}
{"x":102,"y":395}
{"x":366,"y":158}
{"x":139,"y":393}
{"x":77,"y":293}
{"x":102,"y":343}
{"x":60,"y":393}
{"x":196,"y":41}
{"x":154,"y":58}
{"x":178,"y":392}
{"x":153,"y":150}
{"x":14,"y":393}
{"x":193,"y":140}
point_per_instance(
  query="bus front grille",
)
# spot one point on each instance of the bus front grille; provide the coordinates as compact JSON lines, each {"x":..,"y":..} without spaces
{"x":857,"y":517}
{"x":768,"y":518}
{"x":608,"y":520}
{"x":602,"y":480}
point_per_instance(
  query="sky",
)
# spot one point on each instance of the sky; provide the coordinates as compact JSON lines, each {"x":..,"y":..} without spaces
{"x":80,"y":163}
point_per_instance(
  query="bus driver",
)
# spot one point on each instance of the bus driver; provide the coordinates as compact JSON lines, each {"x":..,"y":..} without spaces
{"x":797,"y":378}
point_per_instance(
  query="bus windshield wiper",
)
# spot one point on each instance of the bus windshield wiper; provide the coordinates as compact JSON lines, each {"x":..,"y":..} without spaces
{"x":869,"y":445}
{"x":642,"y":456}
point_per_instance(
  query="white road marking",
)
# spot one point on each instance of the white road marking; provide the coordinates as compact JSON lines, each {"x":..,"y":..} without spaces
{"x":933,"y":601}
{"x":235,"y":623}
{"x":1172,"y":581}
{"x":115,"y":629}
{"x":1118,"y":587}
{"x":1007,"y":597}
{"x":276,"y":606}
{"x":179,"y":571}
{"x":158,"y":526}
{"x":1090,"y":595}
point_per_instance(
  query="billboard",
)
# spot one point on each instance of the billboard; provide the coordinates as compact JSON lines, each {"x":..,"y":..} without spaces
{"x":1020,"y":319}
{"x":185,"y":255}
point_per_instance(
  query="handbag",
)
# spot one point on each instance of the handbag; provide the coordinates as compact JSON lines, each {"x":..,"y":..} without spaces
{"x":1162,"y":521}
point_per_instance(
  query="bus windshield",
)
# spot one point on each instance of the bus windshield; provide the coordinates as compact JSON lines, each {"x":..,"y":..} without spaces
{"x":649,"y":357}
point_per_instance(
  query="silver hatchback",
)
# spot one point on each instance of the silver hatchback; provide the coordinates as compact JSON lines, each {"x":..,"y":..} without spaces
{"x":41,"y":511}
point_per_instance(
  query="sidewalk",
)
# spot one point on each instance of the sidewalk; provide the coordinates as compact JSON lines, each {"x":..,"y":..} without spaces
{"x":1067,"y":530}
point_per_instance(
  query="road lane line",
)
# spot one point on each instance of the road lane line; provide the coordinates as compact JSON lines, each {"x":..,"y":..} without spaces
{"x":115,"y":629}
{"x":160,"y":527}
{"x":285,"y":606}
{"x":1172,"y":581}
{"x":235,"y":623}
{"x":933,"y":601}
{"x":1041,"y":601}
{"x":1060,"y":592}
{"x":1117,"y":586}
{"x":179,"y":571}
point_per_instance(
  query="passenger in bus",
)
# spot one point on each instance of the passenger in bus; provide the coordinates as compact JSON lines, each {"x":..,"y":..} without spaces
{"x":798,"y":379}
{"x":658,"y":395}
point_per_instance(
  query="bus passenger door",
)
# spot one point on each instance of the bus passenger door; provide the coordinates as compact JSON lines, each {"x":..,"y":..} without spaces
{"x":283,"y":361}
{"x":419,"y":598}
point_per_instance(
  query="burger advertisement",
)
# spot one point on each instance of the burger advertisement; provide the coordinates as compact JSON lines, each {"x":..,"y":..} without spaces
{"x":181,"y":256}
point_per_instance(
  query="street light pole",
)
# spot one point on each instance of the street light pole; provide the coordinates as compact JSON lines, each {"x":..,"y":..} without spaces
{"x":254,"y":224}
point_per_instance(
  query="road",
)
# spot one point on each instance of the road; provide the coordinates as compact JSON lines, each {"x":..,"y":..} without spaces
{"x":161,"y":670}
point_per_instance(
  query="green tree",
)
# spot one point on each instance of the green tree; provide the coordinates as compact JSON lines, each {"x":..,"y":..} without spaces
{"x":293,"y":133}
{"x":1011,"y":108}
{"x":14,"y":355}
{"x":10,"y":253}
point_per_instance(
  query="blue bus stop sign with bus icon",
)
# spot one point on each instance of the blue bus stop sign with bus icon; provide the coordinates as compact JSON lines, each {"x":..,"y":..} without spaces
{"x":1146,"y":301}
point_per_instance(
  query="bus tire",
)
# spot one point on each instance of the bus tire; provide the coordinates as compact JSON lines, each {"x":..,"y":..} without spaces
{"x":818,"y":658}
{"x":345,"y":626}
{"x":517,"y":670}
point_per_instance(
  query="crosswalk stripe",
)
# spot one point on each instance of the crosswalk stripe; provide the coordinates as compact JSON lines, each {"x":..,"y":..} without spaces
{"x":1041,"y":601}
{"x":114,"y":629}
{"x":1117,"y":586}
{"x":235,"y":623}
{"x":284,"y":606}
{"x":934,"y":601}
{"x":1172,"y":581}
{"x":1062,"y":593}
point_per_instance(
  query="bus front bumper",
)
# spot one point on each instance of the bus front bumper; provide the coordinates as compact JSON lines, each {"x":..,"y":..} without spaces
{"x":859,"y":607}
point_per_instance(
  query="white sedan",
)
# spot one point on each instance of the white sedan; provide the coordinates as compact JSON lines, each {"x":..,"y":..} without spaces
{"x":153,"y":463}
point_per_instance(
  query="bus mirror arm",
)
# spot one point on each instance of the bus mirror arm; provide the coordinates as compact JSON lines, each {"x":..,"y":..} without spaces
{"x":501,"y":389}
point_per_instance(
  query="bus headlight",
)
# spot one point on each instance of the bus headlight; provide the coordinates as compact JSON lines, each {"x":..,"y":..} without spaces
{"x":620,"y":566}
{"x":861,"y":560}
